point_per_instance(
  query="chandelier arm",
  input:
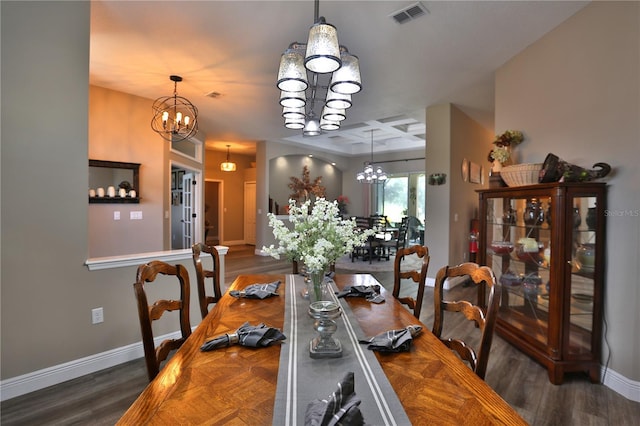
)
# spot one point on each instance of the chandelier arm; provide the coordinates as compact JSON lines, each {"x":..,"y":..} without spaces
{"x":316,"y":11}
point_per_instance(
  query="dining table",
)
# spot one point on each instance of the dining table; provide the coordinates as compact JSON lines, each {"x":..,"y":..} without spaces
{"x":237,"y":384}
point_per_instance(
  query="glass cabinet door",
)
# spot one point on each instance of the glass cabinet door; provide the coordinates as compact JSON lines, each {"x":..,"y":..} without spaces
{"x":518,"y":245}
{"x":545,"y":245}
{"x":582,"y":283}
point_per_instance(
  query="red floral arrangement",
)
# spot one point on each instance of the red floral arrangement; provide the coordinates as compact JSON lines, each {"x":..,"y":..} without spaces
{"x":342,"y":200}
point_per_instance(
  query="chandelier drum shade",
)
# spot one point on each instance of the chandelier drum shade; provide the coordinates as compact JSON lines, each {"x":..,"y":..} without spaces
{"x":174,"y":117}
{"x":371,"y":173}
{"x":228,"y":166}
{"x":320,"y":74}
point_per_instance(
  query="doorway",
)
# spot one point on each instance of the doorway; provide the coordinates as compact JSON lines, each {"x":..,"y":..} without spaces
{"x":185,"y":202}
{"x":213,"y":190}
{"x":250,"y":213}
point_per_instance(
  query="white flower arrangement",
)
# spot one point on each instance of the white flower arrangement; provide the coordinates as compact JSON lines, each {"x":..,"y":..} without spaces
{"x":318,"y":235}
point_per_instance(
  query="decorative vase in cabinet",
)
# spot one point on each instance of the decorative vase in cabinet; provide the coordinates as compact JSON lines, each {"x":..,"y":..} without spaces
{"x":553,"y":273}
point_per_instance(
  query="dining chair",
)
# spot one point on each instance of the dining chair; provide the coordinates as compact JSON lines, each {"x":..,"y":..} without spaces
{"x":146,"y":274}
{"x":369,"y":248}
{"x":202,"y":274}
{"x":416,"y":272}
{"x":398,"y":239}
{"x":484,"y":320}
{"x":415,"y":231}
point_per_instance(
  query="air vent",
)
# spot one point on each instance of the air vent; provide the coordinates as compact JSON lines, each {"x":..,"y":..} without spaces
{"x":409,"y":13}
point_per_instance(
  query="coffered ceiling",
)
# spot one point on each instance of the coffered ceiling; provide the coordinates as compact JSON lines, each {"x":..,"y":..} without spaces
{"x":228,"y":54}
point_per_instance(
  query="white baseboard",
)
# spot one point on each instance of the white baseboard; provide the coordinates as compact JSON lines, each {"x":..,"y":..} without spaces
{"x":626,"y":387}
{"x":30,"y":382}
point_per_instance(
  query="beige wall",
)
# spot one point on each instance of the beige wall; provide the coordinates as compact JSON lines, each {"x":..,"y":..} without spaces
{"x":119,"y":131}
{"x":576,"y":93}
{"x":451,"y":137}
{"x":47,"y":291}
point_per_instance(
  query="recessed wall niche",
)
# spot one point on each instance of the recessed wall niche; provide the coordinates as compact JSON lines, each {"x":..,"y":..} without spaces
{"x":114,"y":182}
{"x":283,"y":168}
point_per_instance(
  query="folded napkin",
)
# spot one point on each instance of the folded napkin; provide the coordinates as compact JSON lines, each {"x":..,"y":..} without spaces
{"x":393,"y":340}
{"x":247,"y":335}
{"x":371,"y":293}
{"x":257,"y":291}
{"x":341,"y":408}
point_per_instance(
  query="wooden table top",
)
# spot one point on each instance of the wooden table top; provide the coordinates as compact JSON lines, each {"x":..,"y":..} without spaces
{"x":238,"y":385}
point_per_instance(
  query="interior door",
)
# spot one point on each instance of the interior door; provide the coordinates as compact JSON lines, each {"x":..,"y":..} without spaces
{"x":189,"y":209}
{"x":250,"y":213}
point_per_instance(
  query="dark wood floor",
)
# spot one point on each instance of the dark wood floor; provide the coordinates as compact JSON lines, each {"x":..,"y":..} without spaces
{"x":101,"y":398}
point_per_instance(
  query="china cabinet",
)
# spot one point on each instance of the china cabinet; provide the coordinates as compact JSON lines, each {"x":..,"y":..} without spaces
{"x":545,"y":244}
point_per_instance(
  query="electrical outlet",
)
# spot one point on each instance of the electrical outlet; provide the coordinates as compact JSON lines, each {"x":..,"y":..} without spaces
{"x":97,"y":316}
{"x":116,"y":215}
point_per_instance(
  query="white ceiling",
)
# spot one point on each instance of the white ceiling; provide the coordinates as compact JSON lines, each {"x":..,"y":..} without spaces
{"x":234,"y":47}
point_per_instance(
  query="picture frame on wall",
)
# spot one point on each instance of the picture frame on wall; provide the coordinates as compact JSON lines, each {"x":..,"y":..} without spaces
{"x":179,"y":178}
{"x":174,"y":180}
{"x":475,"y":173}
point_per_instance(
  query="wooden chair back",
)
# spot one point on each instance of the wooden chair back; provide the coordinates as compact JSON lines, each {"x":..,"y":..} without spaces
{"x":367,"y":250}
{"x":401,"y":240}
{"x":418,"y":276}
{"x":146,"y":274}
{"x":485,"y":321}
{"x":202,"y":274}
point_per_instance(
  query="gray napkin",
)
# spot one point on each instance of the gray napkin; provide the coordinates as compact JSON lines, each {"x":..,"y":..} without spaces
{"x":393,"y":340}
{"x":248,"y":335}
{"x":371,"y":293}
{"x":341,"y":408}
{"x":257,"y":291}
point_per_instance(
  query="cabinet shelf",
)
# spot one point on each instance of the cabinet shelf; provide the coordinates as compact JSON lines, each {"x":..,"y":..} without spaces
{"x":559,"y":323}
{"x":114,"y":200}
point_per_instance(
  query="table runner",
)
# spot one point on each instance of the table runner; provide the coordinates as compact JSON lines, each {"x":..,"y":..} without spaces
{"x":302,"y":379}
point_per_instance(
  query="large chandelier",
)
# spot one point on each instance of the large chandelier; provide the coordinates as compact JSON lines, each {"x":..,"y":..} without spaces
{"x":174,"y":117}
{"x":319,"y":74}
{"x":372,"y":173}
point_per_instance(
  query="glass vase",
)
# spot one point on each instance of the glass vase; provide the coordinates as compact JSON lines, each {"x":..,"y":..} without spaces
{"x":317,"y":287}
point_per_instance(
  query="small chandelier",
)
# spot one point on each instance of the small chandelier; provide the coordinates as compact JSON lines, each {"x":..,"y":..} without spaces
{"x":319,"y":72}
{"x":174,"y":117}
{"x":228,"y":166}
{"x":371,"y":173}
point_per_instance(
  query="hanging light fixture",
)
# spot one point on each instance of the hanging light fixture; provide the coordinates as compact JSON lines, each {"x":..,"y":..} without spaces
{"x":320,"y":73}
{"x":371,"y":173}
{"x":174,"y":117}
{"x":228,"y":166}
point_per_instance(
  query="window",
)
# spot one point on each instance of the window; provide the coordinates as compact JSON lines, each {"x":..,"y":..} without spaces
{"x":401,"y":195}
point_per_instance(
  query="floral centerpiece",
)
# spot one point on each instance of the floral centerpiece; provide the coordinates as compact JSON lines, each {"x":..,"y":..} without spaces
{"x":317,"y":237}
{"x":501,"y":153}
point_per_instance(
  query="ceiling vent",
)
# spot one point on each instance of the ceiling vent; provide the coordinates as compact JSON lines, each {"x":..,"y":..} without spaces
{"x":409,"y":13}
